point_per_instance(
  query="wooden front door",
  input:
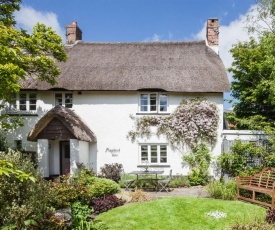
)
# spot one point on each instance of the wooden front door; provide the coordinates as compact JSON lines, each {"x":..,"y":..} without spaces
{"x":65,"y":157}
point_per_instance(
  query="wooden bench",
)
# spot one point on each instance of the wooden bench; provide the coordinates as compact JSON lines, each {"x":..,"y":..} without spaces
{"x":263,"y":182}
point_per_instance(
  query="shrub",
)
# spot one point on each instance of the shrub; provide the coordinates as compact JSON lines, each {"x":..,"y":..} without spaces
{"x":199,"y":162}
{"x":179,"y":182}
{"x":81,"y":215}
{"x":22,"y":203}
{"x":101,"y":187}
{"x":62,"y":193}
{"x":234,"y":163}
{"x":112,"y":171}
{"x":105,"y":203}
{"x":270,"y":216}
{"x":221,"y":190}
{"x":256,"y":225}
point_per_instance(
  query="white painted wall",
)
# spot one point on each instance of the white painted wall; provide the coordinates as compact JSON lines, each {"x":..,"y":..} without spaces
{"x":108,"y":116}
{"x":74,"y":148}
{"x":43,"y":157}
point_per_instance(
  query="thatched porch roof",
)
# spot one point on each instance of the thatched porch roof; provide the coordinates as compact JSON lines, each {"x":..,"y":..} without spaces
{"x":69,"y":119}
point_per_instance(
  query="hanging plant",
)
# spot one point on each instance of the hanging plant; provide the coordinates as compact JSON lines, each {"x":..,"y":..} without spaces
{"x":194,"y":121}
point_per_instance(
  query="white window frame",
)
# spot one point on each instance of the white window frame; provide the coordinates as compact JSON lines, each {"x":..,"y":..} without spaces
{"x":149,"y":150}
{"x":148,"y":105}
{"x":16,"y":106}
{"x":63,"y":98}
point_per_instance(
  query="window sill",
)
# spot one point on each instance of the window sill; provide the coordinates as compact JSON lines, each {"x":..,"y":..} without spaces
{"x":21,"y":113}
{"x":153,"y":114}
{"x":155,"y":166}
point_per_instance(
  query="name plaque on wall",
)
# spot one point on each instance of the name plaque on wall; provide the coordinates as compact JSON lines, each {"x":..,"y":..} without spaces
{"x":114,"y":152}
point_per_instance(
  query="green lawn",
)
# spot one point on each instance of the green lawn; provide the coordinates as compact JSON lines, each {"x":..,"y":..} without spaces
{"x":180,"y":214}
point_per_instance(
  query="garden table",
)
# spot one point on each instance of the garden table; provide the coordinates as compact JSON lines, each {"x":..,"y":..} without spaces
{"x":153,"y":181}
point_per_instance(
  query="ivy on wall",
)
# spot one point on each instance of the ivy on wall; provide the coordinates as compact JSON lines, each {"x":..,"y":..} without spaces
{"x":194,"y":121}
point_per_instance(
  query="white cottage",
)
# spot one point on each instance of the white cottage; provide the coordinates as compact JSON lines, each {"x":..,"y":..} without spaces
{"x":85,"y":117}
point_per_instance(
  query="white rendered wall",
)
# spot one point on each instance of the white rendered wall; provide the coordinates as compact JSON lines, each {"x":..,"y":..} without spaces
{"x":84,"y":153}
{"x":43,"y":157}
{"x":108,"y":116}
{"x":245,"y":135}
{"x":74,"y":148}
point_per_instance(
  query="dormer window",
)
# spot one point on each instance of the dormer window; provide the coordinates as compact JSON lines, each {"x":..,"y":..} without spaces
{"x":153,"y":102}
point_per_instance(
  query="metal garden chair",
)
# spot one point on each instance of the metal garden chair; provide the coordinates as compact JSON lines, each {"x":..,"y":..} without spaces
{"x":127,"y":182}
{"x":164,"y":183}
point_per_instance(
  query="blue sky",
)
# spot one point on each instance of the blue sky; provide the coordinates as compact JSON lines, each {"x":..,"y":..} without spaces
{"x":142,"y":20}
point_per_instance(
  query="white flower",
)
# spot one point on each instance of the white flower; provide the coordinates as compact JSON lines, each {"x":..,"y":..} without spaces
{"x":217,"y":214}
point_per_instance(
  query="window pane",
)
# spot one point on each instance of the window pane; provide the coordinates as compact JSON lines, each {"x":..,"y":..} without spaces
{"x":23,"y":101}
{"x":32,"y":101}
{"x":153,"y":102}
{"x":163,"y":102}
{"x":58,"y":99}
{"x":163,"y":154}
{"x":144,"y":102}
{"x":144,"y":153}
{"x":68,"y":100}
{"x":154,"y":154}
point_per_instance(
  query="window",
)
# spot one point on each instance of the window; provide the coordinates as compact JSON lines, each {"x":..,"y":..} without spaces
{"x":23,"y":102}
{"x":153,"y":153}
{"x":153,"y":102}
{"x":65,"y":99}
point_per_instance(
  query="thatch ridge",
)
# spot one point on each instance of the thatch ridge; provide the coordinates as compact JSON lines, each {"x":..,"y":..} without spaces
{"x":69,"y":119}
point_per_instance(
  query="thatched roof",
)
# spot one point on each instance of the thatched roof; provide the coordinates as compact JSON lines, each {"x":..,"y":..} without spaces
{"x":171,"y":66}
{"x":69,"y":119}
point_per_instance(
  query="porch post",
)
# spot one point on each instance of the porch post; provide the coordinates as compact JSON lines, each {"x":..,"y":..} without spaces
{"x":74,"y":148}
{"x":43,"y":156}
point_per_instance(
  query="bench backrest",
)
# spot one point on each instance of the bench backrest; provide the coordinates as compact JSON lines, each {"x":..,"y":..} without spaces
{"x":264,"y":179}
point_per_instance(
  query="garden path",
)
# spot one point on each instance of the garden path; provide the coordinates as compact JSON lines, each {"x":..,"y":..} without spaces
{"x":195,"y":191}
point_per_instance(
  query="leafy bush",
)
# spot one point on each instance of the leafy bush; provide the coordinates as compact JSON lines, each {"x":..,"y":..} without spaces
{"x":221,"y":190}
{"x":81,"y":216}
{"x":105,"y":203}
{"x":179,"y":182}
{"x":23,"y":203}
{"x":270,"y":216}
{"x":101,"y":187}
{"x":112,"y":171}
{"x":62,"y":193}
{"x":199,"y":162}
{"x":234,"y":163}
{"x":256,"y":225}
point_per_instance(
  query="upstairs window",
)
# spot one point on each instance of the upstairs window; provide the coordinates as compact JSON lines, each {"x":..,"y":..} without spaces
{"x":65,"y":99}
{"x":153,"y":102}
{"x":23,"y":102}
{"x":153,"y":153}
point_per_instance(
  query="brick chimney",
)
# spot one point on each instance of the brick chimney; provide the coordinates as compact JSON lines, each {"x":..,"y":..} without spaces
{"x":212,"y":34}
{"x":73,"y":33}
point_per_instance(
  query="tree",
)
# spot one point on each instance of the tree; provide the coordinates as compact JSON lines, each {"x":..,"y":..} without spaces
{"x":253,"y":71}
{"x":25,"y":55}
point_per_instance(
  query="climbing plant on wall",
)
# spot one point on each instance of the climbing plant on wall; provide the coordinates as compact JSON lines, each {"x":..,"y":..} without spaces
{"x":194,"y":121}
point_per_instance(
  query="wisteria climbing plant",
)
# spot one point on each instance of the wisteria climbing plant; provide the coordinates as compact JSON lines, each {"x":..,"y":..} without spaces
{"x":194,"y":121}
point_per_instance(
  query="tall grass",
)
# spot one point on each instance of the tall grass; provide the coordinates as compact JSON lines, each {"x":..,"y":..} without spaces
{"x":222,"y":190}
